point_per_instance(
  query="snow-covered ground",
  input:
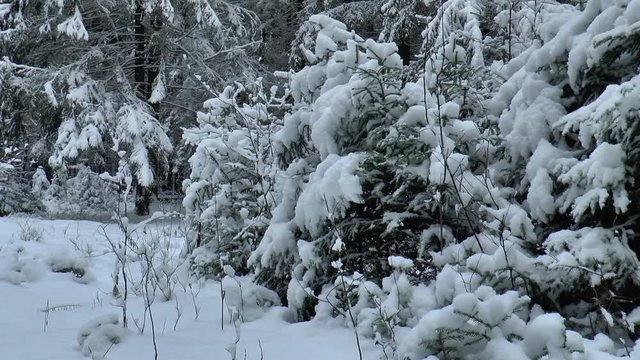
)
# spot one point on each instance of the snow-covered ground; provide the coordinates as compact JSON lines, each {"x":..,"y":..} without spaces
{"x":29,"y":285}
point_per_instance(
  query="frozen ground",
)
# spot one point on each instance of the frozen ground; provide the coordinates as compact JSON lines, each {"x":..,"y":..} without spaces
{"x":29,"y":285}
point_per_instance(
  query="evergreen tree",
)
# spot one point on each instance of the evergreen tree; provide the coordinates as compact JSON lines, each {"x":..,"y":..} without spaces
{"x":401,"y":25}
{"x":229,"y":193}
{"x":521,"y":184}
{"x":363,"y":16}
{"x":122,"y":76}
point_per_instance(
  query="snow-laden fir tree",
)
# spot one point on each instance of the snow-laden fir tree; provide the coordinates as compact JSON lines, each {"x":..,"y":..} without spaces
{"x":121,"y":77}
{"x":401,"y":24}
{"x":525,"y":206}
{"x":363,"y":16}
{"x":229,"y":193}
{"x":557,"y":228}
{"x":84,"y":195}
{"x":577,"y":89}
{"x":334,"y":118}
{"x":40,"y":183}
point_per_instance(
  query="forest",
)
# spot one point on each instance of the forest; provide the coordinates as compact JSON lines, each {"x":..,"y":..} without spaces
{"x":450,"y":179}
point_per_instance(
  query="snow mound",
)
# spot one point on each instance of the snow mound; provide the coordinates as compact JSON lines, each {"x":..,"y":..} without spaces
{"x":65,"y":262}
{"x":245,"y":300}
{"x":97,"y":336}
{"x":17,"y":266}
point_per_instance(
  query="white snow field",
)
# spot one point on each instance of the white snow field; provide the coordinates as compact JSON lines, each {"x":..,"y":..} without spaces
{"x":68,"y":267}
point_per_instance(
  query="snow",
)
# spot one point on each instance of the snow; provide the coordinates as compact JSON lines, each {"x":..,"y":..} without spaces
{"x":82,"y":317}
{"x":96,"y":336}
{"x":546,"y":332}
{"x":535,"y":106}
{"x":330,"y":190}
{"x":4,"y":9}
{"x":73,"y":27}
{"x":603,"y":169}
{"x":399,"y":262}
{"x":248,"y":300}
{"x":338,"y":245}
{"x":607,"y":114}
{"x":502,"y":349}
{"x":541,"y":202}
{"x":48,"y":89}
{"x":441,"y":174}
{"x":159,"y":91}
{"x":592,"y":249}
{"x":138,"y":128}
{"x":465,"y":304}
{"x":332,"y":31}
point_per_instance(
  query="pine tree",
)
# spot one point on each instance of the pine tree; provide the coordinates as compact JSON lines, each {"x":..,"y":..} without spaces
{"x":402,"y":26}
{"x":523,"y":193}
{"x":230,"y":190}
{"x":364,"y":17}
{"x":568,"y":163}
{"x":124,"y":76}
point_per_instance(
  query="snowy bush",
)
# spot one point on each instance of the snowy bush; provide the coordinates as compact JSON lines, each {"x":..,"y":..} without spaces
{"x":73,"y":263}
{"x":245,"y":300}
{"x":578,"y":165}
{"x":97,"y":336}
{"x":504,"y":172}
{"x":229,"y":193}
{"x":40,"y":183}
{"x":30,"y":231}
{"x":17,"y":266}
{"x":84,"y":195}
{"x":15,"y":179}
{"x":334,"y":118}
{"x":366,"y":160}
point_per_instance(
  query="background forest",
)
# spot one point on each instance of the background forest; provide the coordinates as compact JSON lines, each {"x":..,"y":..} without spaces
{"x":453,"y":179}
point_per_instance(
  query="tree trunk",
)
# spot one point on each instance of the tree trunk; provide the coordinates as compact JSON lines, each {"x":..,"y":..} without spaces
{"x":404,"y":50}
{"x":140,"y":81}
{"x":141,"y":85}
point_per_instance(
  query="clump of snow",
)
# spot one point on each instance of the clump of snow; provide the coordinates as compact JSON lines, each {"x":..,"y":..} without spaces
{"x":245,"y":300}
{"x":441,"y":173}
{"x":73,"y":27}
{"x":17,"y":266}
{"x":603,"y":170}
{"x":467,"y":326}
{"x":503,"y":349}
{"x":338,"y":245}
{"x":331,"y":32}
{"x":330,"y":190}
{"x":97,"y":336}
{"x":539,"y":196}
{"x":159,"y":90}
{"x":599,"y":251}
{"x":607,"y":116}
{"x":545,"y":334}
{"x":400,"y":263}
{"x":534,"y":108}
{"x":72,"y":263}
